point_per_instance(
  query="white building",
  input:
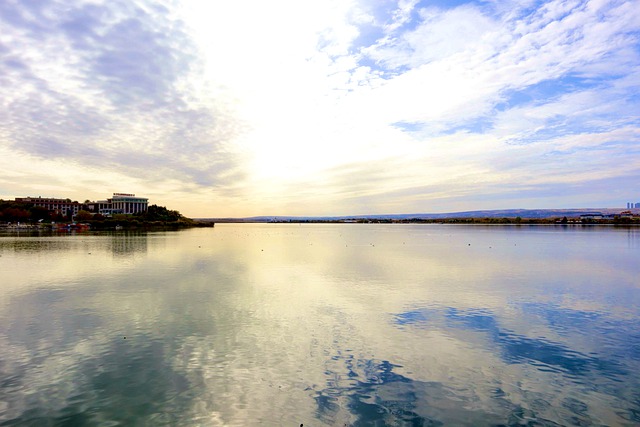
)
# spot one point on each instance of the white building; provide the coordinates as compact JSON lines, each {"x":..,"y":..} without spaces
{"x":59,"y":206}
{"x":124,"y":203}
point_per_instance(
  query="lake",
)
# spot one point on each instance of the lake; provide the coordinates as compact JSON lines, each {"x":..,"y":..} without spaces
{"x":322,"y":325}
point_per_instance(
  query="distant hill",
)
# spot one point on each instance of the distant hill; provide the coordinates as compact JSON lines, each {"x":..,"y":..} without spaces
{"x":503,"y":213}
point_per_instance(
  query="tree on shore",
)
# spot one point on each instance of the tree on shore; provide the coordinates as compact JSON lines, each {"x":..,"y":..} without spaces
{"x":159,"y":213}
{"x":83,"y":215}
{"x":11,"y":211}
{"x":12,"y":214}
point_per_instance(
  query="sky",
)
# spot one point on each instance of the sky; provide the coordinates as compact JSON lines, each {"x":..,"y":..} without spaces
{"x":238,"y":108}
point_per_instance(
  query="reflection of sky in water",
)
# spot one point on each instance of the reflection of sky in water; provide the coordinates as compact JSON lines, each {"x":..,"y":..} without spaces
{"x":321,"y":324}
{"x":539,"y":352}
{"x":376,"y":395}
{"x":609,"y":366}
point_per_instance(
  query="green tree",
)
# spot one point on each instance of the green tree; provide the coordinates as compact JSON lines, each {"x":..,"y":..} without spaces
{"x":14,"y":214}
{"x":83,"y":215}
{"x":38,"y":213}
{"x":58,"y":217}
{"x":159,"y":213}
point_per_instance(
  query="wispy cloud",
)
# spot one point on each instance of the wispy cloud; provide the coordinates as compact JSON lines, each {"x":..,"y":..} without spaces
{"x":108,"y":85}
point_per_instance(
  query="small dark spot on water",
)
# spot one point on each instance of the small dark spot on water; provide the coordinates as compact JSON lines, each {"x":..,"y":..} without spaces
{"x":124,"y":338}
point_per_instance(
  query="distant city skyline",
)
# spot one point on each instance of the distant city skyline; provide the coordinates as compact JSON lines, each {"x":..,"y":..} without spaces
{"x":237,"y":109}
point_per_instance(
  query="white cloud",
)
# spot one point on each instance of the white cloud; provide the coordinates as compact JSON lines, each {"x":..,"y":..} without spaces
{"x":258,"y":105}
{"x":439,"y":35}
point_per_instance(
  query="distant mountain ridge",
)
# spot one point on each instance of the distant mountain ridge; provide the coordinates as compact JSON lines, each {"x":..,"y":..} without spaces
{"x":498,"y":213}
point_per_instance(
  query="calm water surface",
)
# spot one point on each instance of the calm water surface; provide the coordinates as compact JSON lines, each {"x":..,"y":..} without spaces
{"x":283,"y":324}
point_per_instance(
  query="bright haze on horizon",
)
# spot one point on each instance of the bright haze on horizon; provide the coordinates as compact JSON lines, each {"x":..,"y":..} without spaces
{"x":243,"y":108}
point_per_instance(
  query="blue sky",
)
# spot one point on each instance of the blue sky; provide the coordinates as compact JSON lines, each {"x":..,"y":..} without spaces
{"x":240,"y":108}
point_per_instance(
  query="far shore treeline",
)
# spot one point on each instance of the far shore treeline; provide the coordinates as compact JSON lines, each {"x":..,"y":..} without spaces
{"x":12,"y":213}
{"x":155,"y":216}
{"x":618,"y":220}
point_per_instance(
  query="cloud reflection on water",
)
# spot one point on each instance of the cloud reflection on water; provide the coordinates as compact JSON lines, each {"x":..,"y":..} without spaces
{"x":517,"y":348}
{"x":287,"y":324}
{"x":562,"y":359}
